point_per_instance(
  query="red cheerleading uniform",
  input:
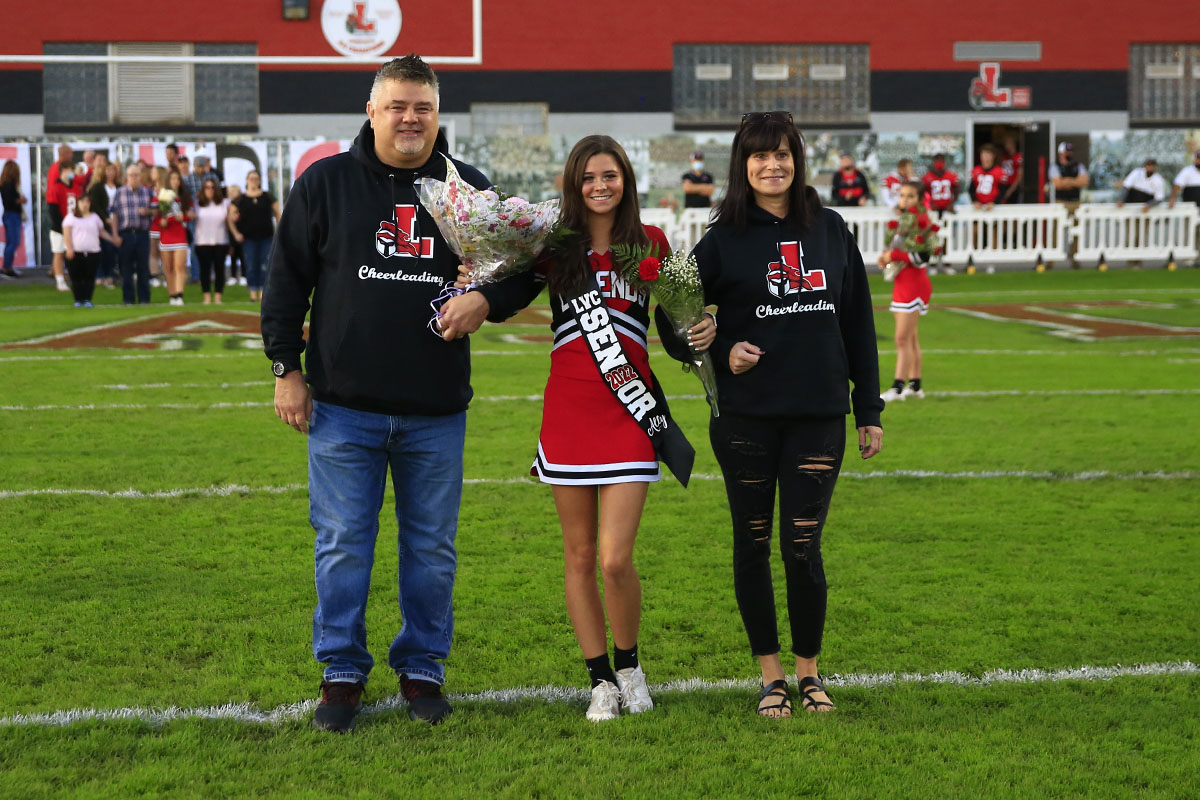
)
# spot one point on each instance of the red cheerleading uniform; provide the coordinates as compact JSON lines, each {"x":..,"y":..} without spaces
{"x":588,"y":437}
{"x":172,"y":235}
{"x":911,"y":289}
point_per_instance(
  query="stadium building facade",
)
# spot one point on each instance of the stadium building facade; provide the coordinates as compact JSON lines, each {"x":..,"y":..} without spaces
{"x":520,"y":82}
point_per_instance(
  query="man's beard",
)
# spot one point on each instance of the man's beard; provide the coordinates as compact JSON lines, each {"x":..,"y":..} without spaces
{"x":404,"y":146}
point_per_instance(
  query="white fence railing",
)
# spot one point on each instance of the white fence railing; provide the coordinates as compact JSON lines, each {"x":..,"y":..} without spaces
{"x":1013,"y":234}
{"x":1130,"y":233}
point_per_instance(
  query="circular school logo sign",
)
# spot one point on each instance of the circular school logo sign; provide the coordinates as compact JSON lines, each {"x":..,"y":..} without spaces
{"x":361,"y":28}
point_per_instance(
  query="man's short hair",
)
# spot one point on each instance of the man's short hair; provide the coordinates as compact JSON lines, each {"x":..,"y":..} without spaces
{"x":409,"y":68}
{"x":173,"y":146}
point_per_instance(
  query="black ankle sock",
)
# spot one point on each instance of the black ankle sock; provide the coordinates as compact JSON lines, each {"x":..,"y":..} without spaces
{"x":625,"y":659}
{"x":915,"y":383}
{"x":600,"y":670}
{"x":898,"y":384}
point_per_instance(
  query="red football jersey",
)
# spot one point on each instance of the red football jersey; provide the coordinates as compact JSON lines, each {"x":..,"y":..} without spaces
{"x":939,"y":189}
{"x":986,"y":184}
{"x":1010,"y":165}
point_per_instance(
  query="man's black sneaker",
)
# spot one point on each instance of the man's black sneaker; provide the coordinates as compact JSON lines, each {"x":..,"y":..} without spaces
{"x":425,"y":700}
{"x":340,"y":704}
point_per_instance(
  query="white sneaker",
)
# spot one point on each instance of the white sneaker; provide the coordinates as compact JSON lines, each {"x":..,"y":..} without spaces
{"x":606,"y":702}
{"x":891,"y":395}
{"x":635,"y":694}
{"x":242,"y":281}
{"x":911,"y":392}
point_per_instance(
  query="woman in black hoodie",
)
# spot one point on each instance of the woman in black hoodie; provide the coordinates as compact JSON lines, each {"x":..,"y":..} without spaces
{"x":794,"y":328}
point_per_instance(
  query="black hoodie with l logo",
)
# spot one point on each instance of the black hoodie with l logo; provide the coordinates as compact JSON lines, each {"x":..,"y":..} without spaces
{"x":355,"y":242}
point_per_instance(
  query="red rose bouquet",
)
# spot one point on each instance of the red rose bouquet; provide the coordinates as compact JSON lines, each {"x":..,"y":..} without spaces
{"x":674,"y":282}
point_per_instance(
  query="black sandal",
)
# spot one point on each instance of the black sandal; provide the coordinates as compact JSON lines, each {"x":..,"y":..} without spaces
{"x":779,"y":689}
{"x":813,"y":685}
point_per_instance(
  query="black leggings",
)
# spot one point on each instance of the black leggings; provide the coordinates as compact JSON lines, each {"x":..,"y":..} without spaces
{"x":803,"y":455}
{"x":82,"y":269}
{"x":212,"y":266}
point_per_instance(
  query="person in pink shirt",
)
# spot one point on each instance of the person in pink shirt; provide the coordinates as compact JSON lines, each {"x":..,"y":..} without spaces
{"x":82,"y":232}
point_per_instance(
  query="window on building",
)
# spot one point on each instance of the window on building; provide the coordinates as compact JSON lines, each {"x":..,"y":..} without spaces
{"x":509,"y":119}
{"x":821,"y":84}
{"x":140,"y":95}
{"x":1164,"y":84}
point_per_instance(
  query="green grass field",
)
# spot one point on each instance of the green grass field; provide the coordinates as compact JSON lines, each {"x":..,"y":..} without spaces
{"x":1038,"y":511}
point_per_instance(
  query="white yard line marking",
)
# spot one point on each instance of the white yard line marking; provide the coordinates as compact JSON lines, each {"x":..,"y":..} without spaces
{"x":1124,"y":293}
{"x":292,"y":712}
{"x":105,"y":356}
{"x":115,"y":406}
{"x":128,"y":387}
{"x":998,"y":474}
{"x":134,"y":356}
{"x":537,"y":398}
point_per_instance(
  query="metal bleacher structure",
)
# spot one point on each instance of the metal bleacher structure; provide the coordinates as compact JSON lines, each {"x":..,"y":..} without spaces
{"x":1011,"y":235}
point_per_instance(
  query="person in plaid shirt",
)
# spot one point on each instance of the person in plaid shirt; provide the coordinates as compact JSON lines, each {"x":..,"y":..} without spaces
{"x":132,"y":208}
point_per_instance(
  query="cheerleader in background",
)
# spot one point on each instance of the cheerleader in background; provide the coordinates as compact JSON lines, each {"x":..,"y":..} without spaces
{"x":911,"y":291}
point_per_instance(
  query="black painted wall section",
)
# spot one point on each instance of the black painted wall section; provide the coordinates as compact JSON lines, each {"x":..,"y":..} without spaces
{"x":20,"y":91}
{"x":324,"y":92}
{"x":597,"y":92}
{"x":1093,"y":90}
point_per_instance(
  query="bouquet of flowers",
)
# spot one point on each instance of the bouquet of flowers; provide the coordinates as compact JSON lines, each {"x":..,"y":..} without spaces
{"x":494,"y":235}
{"x":675,"y":284}
{"x":913,"y":233}
{"x":168,"y":204}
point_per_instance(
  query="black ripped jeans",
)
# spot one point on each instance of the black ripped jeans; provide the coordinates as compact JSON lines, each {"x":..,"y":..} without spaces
{"x":803,"y":455}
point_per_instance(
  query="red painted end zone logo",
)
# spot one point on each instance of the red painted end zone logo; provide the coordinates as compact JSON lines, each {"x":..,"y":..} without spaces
{"x":238,"y":330}
{"x":1070,"y":320}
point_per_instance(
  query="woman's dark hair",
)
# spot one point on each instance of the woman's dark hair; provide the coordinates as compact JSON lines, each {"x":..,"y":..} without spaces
{"x":762,"y":133}
{"x":571,"y":266}
{"x":218,"y":195}
{"x":10,"y":174}
{"x":183,"y":195}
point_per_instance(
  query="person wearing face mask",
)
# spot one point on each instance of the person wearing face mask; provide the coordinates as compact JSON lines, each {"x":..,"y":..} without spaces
{"x":1187,"y":182}
{"x":1144,"y":185}
{"x":698,"y":185}
{"x":941,"y":185}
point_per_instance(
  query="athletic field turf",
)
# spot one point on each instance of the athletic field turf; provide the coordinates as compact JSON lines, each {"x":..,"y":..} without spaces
{"x":1013,"y":581}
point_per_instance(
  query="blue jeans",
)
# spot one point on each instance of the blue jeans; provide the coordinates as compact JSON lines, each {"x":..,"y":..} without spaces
{"x":254,"y":260}
{"x":349,"y":453}
{"x":135,"y":258}
{"x":12,"y":236}
{"x":108,"y":259}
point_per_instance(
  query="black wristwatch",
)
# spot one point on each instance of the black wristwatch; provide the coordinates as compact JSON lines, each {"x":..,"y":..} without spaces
{"x":280,"y":368}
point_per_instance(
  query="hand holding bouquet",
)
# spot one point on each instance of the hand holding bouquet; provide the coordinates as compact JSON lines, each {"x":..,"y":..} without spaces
{"x":167,"y":204}
{"x":494,"y":236}
{"x":675,"y":284}
{"x":915,"y":234}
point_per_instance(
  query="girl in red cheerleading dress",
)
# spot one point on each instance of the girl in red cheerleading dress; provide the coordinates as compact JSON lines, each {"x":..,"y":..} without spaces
{"x":911,"y":292}
{"x":172,"y":235}
{"x":592,"y":449}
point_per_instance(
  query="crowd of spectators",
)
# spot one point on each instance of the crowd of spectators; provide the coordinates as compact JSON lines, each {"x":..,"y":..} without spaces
{"x":160,"y":225}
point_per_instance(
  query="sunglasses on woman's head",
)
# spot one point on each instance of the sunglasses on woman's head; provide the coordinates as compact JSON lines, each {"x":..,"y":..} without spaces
{"x":755,"y":117}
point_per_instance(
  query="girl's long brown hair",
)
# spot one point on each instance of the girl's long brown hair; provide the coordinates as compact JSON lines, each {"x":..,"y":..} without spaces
{"x":10,"y":174}
{"x":571,"y":267}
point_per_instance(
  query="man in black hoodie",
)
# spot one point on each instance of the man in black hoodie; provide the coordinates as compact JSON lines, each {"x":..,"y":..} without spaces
{"x":381,"y":390}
